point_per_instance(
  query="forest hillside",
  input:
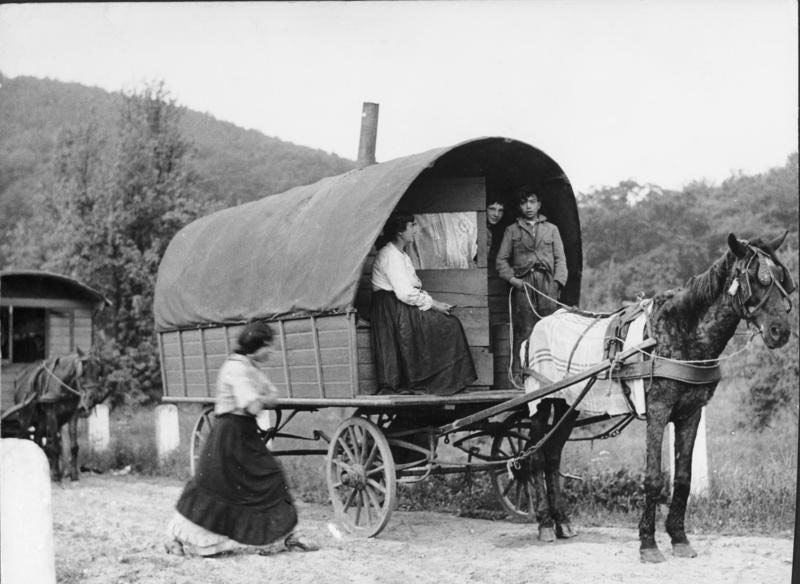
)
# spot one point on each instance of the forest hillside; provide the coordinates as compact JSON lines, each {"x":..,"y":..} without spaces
{"x":233,"y":165}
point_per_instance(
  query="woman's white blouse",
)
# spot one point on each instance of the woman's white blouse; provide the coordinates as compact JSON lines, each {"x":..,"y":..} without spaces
{"x":240,"y":383}
{"x":394,"y":271}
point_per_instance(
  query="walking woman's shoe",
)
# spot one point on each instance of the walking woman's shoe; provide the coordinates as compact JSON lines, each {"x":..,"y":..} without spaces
{"x":295,"y":544}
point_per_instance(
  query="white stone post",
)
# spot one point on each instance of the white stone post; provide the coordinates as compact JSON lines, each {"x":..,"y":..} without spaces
{"x":26,"y":529}
{"x":167,"y":430}
{"x":700,"y":478}
{"x":98,"y":428}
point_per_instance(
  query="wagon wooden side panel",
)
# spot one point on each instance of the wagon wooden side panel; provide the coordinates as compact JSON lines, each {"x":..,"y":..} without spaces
{"x":313,"y":358}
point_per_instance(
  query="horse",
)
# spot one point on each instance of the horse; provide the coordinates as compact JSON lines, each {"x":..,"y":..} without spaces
{"x":50,"y":394}
{"x":691,"y":327}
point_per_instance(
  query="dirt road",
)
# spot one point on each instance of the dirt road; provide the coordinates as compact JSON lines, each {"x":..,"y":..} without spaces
{"x":110,"y":530}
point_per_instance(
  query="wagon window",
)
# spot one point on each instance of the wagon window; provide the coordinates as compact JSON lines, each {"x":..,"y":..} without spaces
{"x":27,"y":334}
{"x":445,"y":241}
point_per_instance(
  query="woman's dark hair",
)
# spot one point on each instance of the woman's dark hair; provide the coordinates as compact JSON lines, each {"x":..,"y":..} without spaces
{"x":395,"y":225}
{"x":254,"y":335}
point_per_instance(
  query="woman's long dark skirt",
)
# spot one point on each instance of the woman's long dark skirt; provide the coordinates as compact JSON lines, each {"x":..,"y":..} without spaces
{"x":418,"y":351}
{"x":239,"y":489}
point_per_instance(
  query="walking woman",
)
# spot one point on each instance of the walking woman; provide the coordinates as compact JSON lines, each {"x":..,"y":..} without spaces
{"x":238,"y":495}
{"x":420,"y":347}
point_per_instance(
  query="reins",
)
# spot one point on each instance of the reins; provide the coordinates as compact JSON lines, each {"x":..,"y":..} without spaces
{"x":81,"y":392}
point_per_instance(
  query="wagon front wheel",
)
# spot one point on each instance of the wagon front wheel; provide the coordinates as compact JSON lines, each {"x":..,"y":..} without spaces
{"x":200,"y":432}
{"x":516,"y":495}
{"x":361,"y":477}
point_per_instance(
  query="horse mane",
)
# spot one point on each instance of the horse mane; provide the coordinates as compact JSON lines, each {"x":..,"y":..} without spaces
{"x":702,"y":289}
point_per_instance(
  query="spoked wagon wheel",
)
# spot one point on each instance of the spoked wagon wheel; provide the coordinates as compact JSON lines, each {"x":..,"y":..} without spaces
{"x":516,"y":495}
{"x":361,"y":477}
{"x":200,"y":432}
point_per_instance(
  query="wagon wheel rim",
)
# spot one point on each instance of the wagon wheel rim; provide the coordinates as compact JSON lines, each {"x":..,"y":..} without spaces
{"x":517,"y":497}
{"x":362,"y":483}
{"x":200,"y":432}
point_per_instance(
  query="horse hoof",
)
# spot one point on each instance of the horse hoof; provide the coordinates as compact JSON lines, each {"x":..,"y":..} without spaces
{"x":547,"y":534}
{"x":683,"y":550}
{"x":565,"y":530}
{"x":651,"y":556}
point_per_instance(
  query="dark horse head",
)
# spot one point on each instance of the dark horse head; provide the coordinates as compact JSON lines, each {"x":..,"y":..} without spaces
{"x":759,"y":286}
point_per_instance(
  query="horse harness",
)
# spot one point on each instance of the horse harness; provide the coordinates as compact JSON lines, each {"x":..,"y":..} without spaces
{"x":770,"y":272}
{"x":654,"y":366}
{"x":82,"y":391}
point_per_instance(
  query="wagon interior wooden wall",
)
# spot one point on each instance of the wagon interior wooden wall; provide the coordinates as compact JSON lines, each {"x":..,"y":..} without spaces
{"x":480,"y":298}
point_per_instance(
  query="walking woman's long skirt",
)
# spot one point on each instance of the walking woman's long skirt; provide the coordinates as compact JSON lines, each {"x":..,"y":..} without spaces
{"x":239,"y":490}
{"x":418,"y":351}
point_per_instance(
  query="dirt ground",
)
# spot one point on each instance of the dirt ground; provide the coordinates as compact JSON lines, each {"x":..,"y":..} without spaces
{"x":110,"y":530}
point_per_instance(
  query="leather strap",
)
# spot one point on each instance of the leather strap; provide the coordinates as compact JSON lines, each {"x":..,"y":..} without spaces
{"x":685,"y":372}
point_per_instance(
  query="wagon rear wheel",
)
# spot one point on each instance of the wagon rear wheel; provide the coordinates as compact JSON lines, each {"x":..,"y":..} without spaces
{"x":200,"y":432}
{"x":361,"y":477}
{"x":516,"y":496}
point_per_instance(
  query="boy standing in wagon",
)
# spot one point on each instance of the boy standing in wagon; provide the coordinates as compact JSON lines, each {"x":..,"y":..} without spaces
{"x":531,"y":254}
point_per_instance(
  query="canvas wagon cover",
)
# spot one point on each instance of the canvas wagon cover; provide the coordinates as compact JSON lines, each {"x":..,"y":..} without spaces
{"x":297,"y":252}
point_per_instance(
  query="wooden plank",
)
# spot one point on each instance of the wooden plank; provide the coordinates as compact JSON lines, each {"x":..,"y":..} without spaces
{"x":482,"y":240}
{"x":296,"y":325}
{"x":353,"y":352}
{"x":310,"y":374}
{"x":286,"y":375}
{"x":317,"y":357}
{"x":476,"y":324}
{"x":205,"y":361}
{"x":436,"y":195}
{"x":182,"y":365}
{"x":331,"y":339}
{"x":484,"y":365}
{"x":458,"y":287}
{"x":162,"y":358}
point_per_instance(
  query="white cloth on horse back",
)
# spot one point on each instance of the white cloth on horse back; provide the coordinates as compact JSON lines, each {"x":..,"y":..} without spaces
{"x":393,"y":271}
{"x":548,"y":353}
{"x":239,"y":383}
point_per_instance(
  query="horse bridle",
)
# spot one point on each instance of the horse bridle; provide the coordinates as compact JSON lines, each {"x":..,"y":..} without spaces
{"x":770,"y":273}
{"x":82,"y":390}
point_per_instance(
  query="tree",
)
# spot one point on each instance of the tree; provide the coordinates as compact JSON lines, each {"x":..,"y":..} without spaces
{"x":109,"y":214}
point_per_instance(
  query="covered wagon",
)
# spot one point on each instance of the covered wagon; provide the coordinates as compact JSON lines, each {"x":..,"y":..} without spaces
{"x":302,"y":260}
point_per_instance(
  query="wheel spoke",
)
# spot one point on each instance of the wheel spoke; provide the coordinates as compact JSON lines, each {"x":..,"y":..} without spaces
{"x":367,"y":506}
{"x":341,"y":464}
{"x":374,"y":500}
{"x":349,"y":501}
{"x":373,"y":451}
{"x":376,"y":485}
{"x":520,"y":492}
{"x":359,"y":505}
{"x":346,"y":449}
{"x":374,"y":471}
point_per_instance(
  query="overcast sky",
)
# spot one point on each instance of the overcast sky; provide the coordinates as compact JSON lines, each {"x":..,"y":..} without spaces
{"x":659,"y":91}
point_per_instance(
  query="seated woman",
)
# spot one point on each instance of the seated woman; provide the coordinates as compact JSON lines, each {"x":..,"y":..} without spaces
{"x":420,"y":347}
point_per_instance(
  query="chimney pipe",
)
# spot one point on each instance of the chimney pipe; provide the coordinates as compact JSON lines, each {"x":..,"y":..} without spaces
{"x":369,"y":134}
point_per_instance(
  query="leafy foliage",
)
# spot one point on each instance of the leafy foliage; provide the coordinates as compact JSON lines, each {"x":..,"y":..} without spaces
{"x":231,"y":165}
{"x":109,"y":215}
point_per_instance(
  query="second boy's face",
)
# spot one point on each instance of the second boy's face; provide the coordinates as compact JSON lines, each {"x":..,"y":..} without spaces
{"x":529,"y":208}
{"x":494,"y":213}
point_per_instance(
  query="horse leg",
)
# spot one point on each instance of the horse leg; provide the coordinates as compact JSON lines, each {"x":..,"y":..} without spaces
{"x":73,"y":447}
{"x":537,"y":461}
{"x":656,"y":422}
{"x":52,"y":445}
{"x":685,"y":434}
{"x":552,"y":455}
